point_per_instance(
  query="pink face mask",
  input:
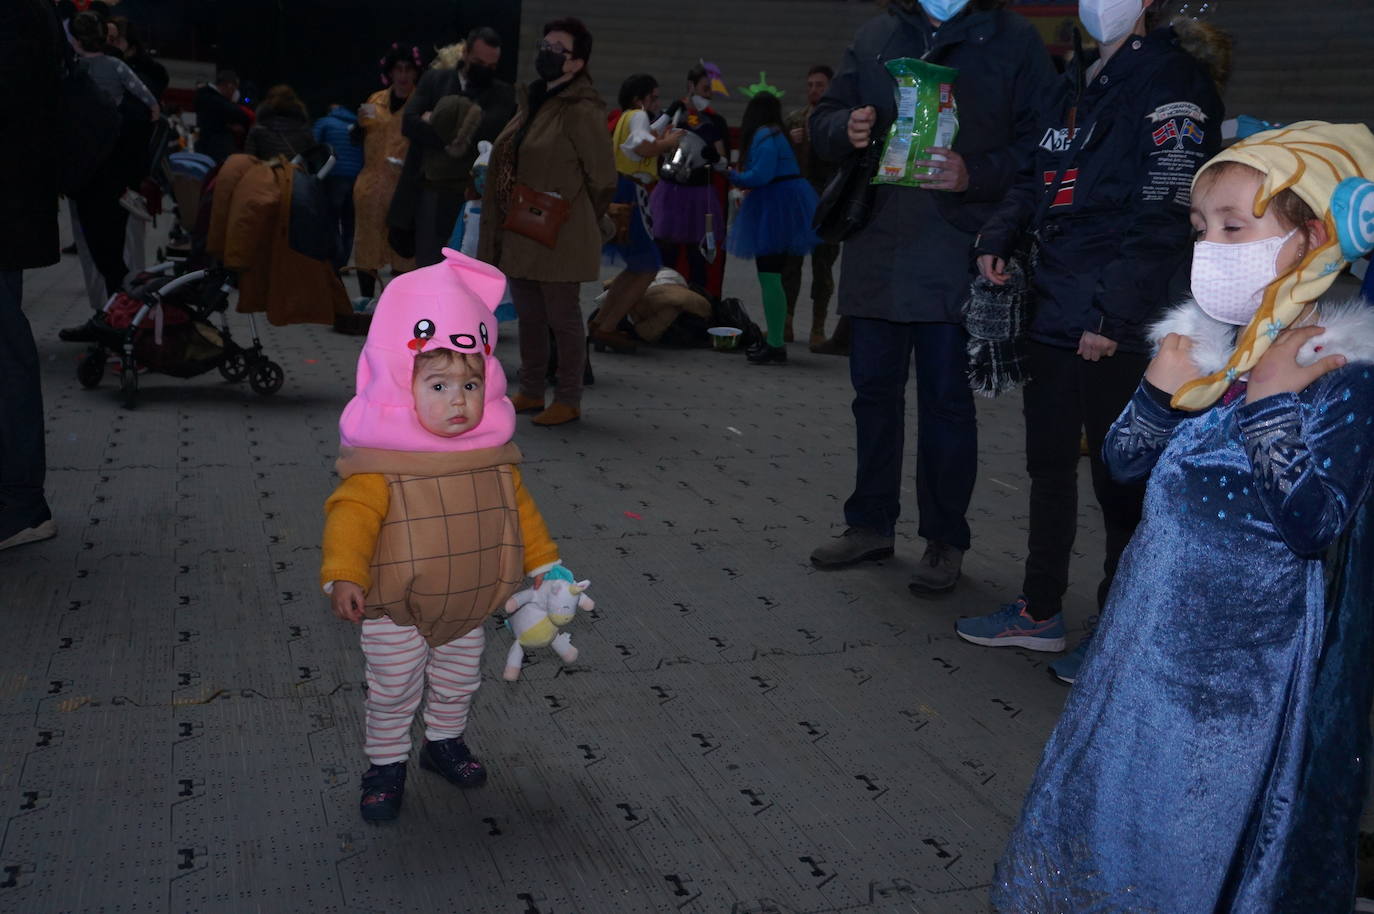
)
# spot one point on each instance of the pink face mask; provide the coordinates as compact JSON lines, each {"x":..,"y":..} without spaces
{"x":1229,"y":279}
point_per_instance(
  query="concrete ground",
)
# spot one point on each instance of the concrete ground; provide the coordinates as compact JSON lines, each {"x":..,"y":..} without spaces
{"x":742,"y":733}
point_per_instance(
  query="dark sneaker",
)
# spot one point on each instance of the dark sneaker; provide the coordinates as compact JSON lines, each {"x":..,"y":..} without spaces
{"x":938,"y":571}
{"x":1065,"y":669}
{"x":81,"y":333}
{"x":451,"y":758}
{"x":1012,"y":626}
{"x":383,"y":788}
{"x":854,"y":545}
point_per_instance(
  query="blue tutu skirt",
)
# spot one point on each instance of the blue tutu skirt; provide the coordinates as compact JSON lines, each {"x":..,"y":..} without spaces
{"x":639,"y":254}
{"x":775,"y":219}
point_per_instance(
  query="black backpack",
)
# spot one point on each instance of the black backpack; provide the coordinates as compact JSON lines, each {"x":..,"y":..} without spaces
{"x":89,"y":128}
{"x":729,"y":312}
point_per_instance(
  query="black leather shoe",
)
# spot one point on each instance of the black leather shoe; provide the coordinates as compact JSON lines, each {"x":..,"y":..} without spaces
{"x":451,"y":758}
{"x":768,"y":355}
{"x":81,"y":333}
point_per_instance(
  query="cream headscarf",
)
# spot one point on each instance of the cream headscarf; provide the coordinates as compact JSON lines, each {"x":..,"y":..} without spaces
{"x":1331,"y":167}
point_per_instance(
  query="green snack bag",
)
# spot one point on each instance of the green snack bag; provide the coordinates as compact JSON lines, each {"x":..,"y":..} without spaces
{"x":926,"y":116}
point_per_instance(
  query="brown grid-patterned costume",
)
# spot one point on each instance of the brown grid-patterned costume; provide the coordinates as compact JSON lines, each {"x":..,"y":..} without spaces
{"x":450,"y":549}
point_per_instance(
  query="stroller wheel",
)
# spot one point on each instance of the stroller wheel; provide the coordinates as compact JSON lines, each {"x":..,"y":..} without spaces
{"x":91,"y":369}
{"x":128,"y":386}
{"x":266,"y":377}
{"x":234,"y":367}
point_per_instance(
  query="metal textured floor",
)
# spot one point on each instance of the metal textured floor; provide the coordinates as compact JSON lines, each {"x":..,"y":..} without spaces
{"x":741,"y":734}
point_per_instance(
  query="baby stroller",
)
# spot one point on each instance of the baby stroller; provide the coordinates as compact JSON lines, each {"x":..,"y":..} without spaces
{"x":164,"y":324}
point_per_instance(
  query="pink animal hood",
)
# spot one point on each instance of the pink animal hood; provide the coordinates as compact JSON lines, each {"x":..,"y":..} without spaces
{"x":450,"y":305}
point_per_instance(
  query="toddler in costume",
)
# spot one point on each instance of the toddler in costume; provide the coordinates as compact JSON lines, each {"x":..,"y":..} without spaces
{"x":1212,"y":755}
{"x":431,"y":529}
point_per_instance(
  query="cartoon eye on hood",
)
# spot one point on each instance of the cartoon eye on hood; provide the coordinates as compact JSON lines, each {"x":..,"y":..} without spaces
{"x":466,"y":341}
{"x":423,"y":332}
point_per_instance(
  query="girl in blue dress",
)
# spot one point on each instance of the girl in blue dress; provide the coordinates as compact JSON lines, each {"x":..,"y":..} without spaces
{"x":775,"y":219}
{"x":1211,"y":756}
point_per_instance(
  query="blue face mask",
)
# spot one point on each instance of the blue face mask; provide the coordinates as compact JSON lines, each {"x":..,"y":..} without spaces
{"x":943,"y":10}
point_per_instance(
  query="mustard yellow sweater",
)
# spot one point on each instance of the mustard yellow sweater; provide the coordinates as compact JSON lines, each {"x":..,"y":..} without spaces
{"x":354,"y":515}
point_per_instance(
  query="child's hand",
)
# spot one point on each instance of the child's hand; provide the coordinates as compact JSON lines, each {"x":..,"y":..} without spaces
{"x":1278,"y":371}
{"x":1173,"y":366}
{"x":348,"y":600}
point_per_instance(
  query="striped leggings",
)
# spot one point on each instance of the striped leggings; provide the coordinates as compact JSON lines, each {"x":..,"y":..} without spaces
{"x":399,"y":663}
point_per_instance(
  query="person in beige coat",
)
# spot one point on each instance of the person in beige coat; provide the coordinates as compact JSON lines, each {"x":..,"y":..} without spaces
{"x":556,"y":144}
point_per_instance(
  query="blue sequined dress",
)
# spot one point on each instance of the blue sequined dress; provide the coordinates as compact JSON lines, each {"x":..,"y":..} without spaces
{"x":1211,"y":756}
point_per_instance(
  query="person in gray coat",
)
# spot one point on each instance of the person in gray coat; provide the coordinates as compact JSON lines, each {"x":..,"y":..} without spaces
{"x":906,"y":274}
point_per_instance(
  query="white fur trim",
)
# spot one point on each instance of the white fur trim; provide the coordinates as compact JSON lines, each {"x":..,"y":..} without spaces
{"x":1349,"y":332}
{"x":1213,"y":340}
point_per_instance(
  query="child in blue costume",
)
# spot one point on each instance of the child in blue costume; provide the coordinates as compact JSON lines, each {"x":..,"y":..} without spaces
{"x":775,"y":219}
{"x":1211,"y":756}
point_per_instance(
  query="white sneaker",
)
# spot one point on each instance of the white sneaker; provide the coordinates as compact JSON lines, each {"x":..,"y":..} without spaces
{"x":43,"y":531}
{"x":133,"y":202}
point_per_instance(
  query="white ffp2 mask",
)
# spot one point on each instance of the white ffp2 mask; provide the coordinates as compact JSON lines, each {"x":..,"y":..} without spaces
{"x":1109,"y":20}
{"x":1229,"y":280}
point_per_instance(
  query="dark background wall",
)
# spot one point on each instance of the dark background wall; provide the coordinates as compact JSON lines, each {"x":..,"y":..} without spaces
{"x":326,"y":49}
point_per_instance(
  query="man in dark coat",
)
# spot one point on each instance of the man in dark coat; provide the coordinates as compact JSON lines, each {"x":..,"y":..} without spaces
{"x":906,"y":274}
{"x":430,"y":209}
{"x":31,"y":61}
{"x":217,"y":112}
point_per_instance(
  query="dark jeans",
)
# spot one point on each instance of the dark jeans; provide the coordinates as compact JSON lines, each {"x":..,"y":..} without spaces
{"x":880,"y":361}
{"x":550,"y":306}
{"x":1065,"y":397}
{"x":22,"y":457}
{"x":102,"y":223}
{"x":339,"y":191}
{"x":436,"y":213}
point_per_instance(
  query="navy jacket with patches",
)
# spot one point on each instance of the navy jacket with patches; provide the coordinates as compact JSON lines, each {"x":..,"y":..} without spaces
{"x":1117,"y":231}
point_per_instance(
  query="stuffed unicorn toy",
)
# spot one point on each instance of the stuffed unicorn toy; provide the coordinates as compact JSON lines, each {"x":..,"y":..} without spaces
{"x":535,"y":616}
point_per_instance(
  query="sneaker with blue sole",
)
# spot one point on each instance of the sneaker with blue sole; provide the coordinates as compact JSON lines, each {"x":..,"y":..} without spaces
{"x":1012,"y":626}
{"x":1065,"y":669}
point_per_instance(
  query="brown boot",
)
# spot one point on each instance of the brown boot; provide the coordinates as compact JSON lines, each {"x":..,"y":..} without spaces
{"x":557,"y":414}
{"x":837,"y":344}
{"x":817,"y":325}
{"x":788,"y":335}
{"x":524,"y":404}
{"x":614,"y":340}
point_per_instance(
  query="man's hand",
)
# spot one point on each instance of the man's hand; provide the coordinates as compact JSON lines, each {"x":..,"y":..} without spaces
{"x":347,"y":601}
{"x":427,"y":116}
{"x":1172,"y":366}
{"x":1278,"y":371}
{"x":948,"y":173}
{"x":993,"y":269}
{"x":1095,"y":346}
{"x":860,"y":127}
{"x":797,"y":135}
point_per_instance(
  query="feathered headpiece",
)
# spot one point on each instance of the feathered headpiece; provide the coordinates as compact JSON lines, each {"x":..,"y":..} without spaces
{"x":717,"y":81}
